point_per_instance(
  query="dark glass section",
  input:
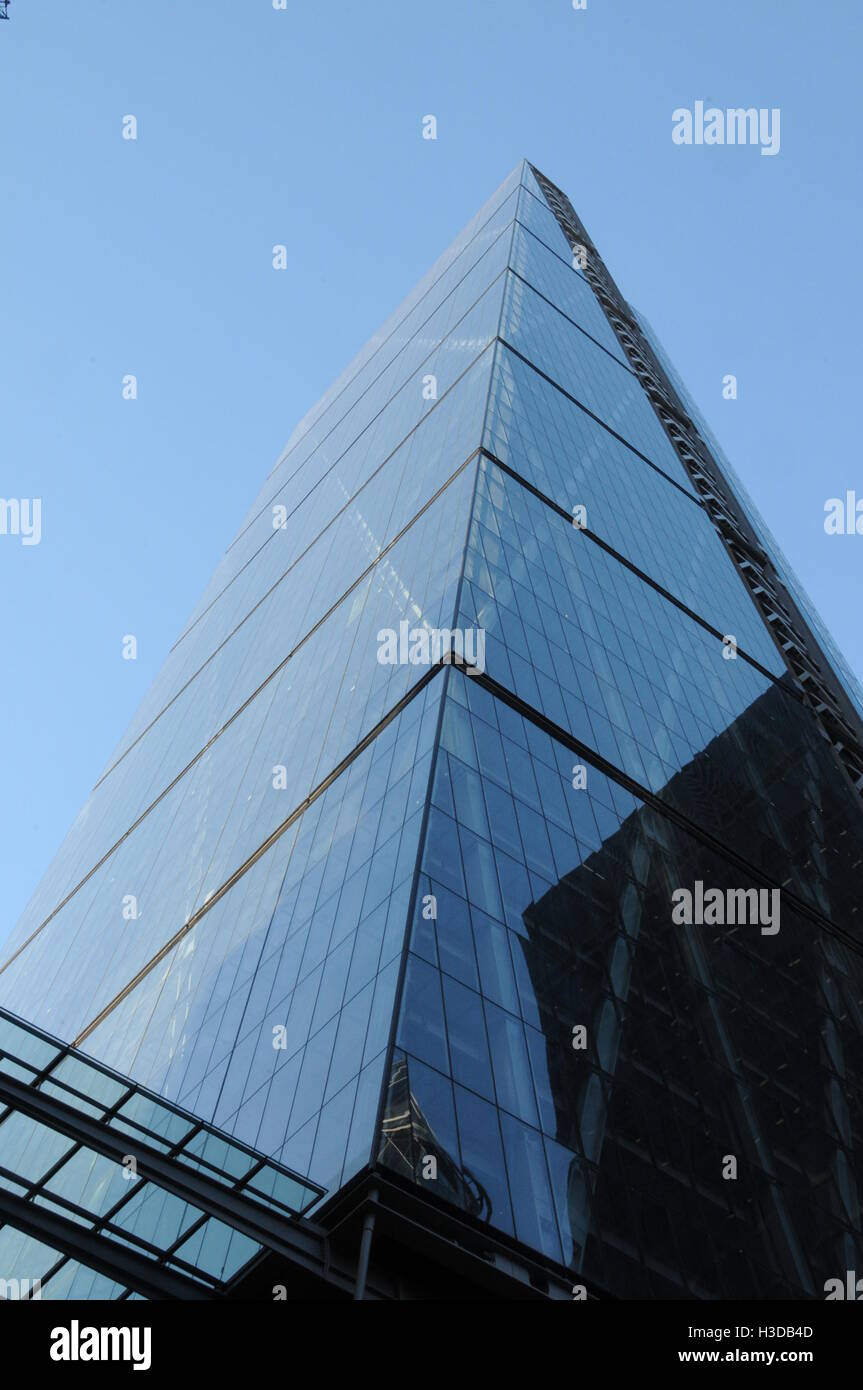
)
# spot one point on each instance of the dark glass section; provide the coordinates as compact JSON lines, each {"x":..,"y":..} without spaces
{"x":597,"y":1071}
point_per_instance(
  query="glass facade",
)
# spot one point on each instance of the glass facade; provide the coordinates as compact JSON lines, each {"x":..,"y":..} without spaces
{"x":356,"y":909}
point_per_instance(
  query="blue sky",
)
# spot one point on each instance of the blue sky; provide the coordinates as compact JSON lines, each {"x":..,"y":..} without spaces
{"x":303,"y":127}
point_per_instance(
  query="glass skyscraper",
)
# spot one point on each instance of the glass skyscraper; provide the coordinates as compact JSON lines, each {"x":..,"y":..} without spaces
{"x":380,"y":914}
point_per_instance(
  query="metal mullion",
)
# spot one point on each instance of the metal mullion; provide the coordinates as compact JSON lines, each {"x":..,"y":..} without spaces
{"x":662,"y":808}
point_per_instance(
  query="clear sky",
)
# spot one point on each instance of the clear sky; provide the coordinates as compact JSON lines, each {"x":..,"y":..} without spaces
{"x":304,"y":127}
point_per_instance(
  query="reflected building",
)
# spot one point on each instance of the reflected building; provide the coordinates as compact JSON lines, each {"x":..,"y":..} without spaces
{"x":403,"y":931}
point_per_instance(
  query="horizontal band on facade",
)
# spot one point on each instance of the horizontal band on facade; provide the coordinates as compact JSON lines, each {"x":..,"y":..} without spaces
{"x":549,"y":502}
